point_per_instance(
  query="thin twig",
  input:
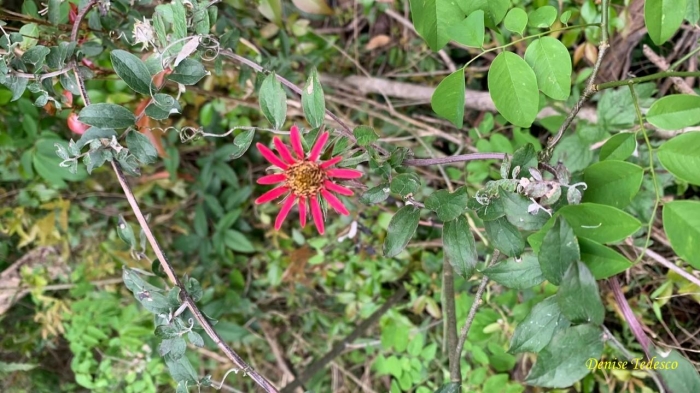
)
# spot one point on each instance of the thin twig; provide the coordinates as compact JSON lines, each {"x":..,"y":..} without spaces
{"x":454,"y":159}
{"x":663,"y":65}
{"x":627,"y":313}
{"x":671,"y":266}
{"x":41,"y":77}
{"x":647,"y":78}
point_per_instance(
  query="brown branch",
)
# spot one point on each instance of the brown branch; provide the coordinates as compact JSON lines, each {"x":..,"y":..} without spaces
{"x":663,"y":65}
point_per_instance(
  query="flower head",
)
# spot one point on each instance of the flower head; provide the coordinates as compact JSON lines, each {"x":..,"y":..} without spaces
{"x":304,"y":179}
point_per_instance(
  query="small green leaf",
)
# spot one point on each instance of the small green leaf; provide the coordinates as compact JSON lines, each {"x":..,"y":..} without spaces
{"x":558,"y":251}
{"x":663,"y":18}
{"x":520,"y":273}
{"x":195,"y":338}
{"x":513,"y":88}
{"x":181,"y":370}
{"x":542,"y":17}
{"x":401,"y":229}
{"x":273,"y":101}
{"x":188,"y":72}
{"x":237,"y":241}
{"x":578,"y":296}
{"x":242,"y":142}
{"x":448,"y":99}
{"x":505,"y":236}
{"x":681,"y":156}
{"x":602,"y":261}
{"x":550,"y":60}
{"x":54,"y":12}
{"x":405,"y":184}
{"x":365,"y":135}
{"x":682,"y":226}
{"x":93,"y":133}
{"x":612,"y":183}
{"x":141,"y":147}
{"x":683,"y":378}
{"x":470,"y":31}
{"x":459,"y":247}
{"x":133,"y":71}
{"x":538,"y":328}
{"x":515,"y":206}
{"x":313,"y":101}
{"x":675,"y":111}
{"x":619,"y":147}
{"x":600,"y":223}
{"x":495,"y":9}
{"x":447,"y":205}
{"x":375,"y":194}
{"x":516,"y":20}
{"x":106,"y":116}
{"x":36,"y":56}
{"x":452,"y":387}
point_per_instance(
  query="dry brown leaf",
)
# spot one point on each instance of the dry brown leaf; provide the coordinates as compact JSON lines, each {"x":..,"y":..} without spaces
{"x":378,"y":41}
{"x":316,"y":7}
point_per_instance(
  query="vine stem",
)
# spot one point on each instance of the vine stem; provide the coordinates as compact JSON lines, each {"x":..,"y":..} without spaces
{"x":454,"y":159}
{"x":167,"y":267}
{"x":647,"y":78}
{"x":590,"y":85}
{"x":609,"y":337}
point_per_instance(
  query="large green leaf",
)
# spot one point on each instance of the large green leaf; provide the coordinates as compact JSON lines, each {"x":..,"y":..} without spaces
{"x":494,"y":10}
{"x":515,"y":273}
{"x":538,"y":328}
{"x":515,"y":206}
{"x":600,"y":223}
{"x":602,"y":261}
{"x":470,"y":31}
{"x":505,"y":236}
{"x":681,"y":156}
{"x":552,"y":64}
{"x":558,"y":251}
{"x":663,"y":18}
{"x":682,"y":226}
{"x":619,"y":147}
{"x":447,"y":205}
{"x":448,"y":99}
{"x":612,"y":183}
{"x":237,"y":241}
{"x":273,"y":101}
{"x":433,"y":18}
{"x":675,"y":111}
{"x":133,"y":71}
{"x":678,"y":373}
{"x":459,"y":246}
{"x":542,"y":17}
{"x":513,"y":88}
{"x":106,"y":116}
{"x":563,"y":361}
{"x":578,"y":296}
{"x":401,"y":229}
{"x":516,"y":20}
{"x":313,"y":101}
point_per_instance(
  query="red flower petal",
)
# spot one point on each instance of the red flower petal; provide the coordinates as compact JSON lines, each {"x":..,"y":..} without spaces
{"x":284,"y":152}
{"x":331,"y":162}
{"x":344,"y":173}
{"x":318,"y":147}
{"x":75,"y":125}
{"x":271,"y":157}
{"x":286,"y":207}
{"x":272,"y":179}
{"x":271,"y":195}
{"x":295,"y":137}
{"x":317,"y":214}
{"x":335,"y":202}
{"x":302,"y":211}
{"x":336,"y":188}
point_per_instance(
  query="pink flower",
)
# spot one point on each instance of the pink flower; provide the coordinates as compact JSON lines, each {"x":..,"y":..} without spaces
{"x":303,"y":178}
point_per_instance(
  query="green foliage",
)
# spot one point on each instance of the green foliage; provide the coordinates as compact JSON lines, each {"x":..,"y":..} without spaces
{"x":663,"y":18}
{"x":513,"y":87}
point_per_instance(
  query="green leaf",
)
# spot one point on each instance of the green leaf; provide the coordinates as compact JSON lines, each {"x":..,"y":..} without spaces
{"x":682,"y":226}
{"x":513,"y":88}
{"x":525,"y":158}
{"x":452,"y":387}
{"x":54,"y":12}
{"x":30,"y":35}
{"x":141,"y":147}
{"x":93,"y":133}
{"x":663,"y":18}
{"x":313,"y":101}
{"x":181,"y":369}
{"x":16,"y":85}
{"x":375,"y":194}
{"x":237,"y":241}
{"x":538,"y":328}
{"x":36,"y":56}
{"x":681,"y":156}
{"x":602,"y":261}
{"x":433,"y":18}
{"x":365,"y":135}
{"x":470,"y":31}
{"x":448,"y":98}
{"x":106,"y":116}
{"x":574,"y":152}
{"x":195,"y":338}
{"x":692,"y":12}
{"x":515,"y":273}
{"x":162,"y":106}
{"x":542,"y":17}
{"x":446,"y":205}
{"x":578,"y":296}
{"x":563,"y":361}
{"x":242,"y":142}
{"x":515,"y":206}
{"x":188,"y":72}
{"x":600,"y":223}
{"x":505,"y":236}
{"x":405,"y":184}
{"x":619,"y":147}
{"x":558,"y":251}
{"x":612,"y":183}
{"x":674,"y":112}
{"x":401,"y":229}
{"x":495,"y":9}
{"x":551,"y":62}
{"x":133,"y":71}
{"x":679,"y":375}
{"x":273,"y":101}
{"x":459,"y":247}
{"x":516,"y":20}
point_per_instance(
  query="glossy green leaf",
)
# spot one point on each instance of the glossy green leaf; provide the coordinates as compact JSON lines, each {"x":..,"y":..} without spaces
{"x":106,"y":116}
{"x":459,"y":246}
{"x":563,"y":361}
{"x":365,"y":135}
{"x":447,"y":205}
{"x":401,"y":229}
{"x":433,"y":18}
{"x":448,"y":99}
{"x":313,"y":101}
{"x":558,"y":251}
{"x":675,"y":111}
{"x":132,"y":71}
{"x":188,"y":72}
{"x":619,"y":147}
{"x":612,"y":183}
{"x":141,"y":147}
{"x":682,"y":226}
{"x":551,"y":62}
{"x":542,"y":17}
{"x":578,"y":296}
{"x":520,"y":273}
{"x":470,"y":31}
{"x":663,"y":18}
{"x":538,"y":328}
{"x":600,"y":223}
{"x":602,"y":261}
{"x":516,"y":20}
{"x":405,"y":184}
{"x":273,"y":101}
{"x":681,"y":156}
{"x":505,"y":236}
{"x":513,"y":88}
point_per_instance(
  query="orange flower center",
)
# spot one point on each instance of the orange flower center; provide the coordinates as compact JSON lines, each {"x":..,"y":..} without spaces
{"x":305,"y":178}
